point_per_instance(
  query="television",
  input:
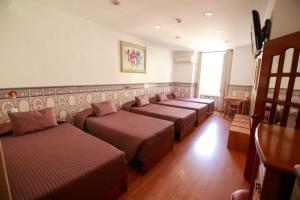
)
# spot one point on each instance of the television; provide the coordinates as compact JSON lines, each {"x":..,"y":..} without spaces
{"x":258,"y":34}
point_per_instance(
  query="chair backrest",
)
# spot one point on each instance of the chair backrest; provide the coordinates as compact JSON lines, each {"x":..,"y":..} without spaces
{"x":235,"y":103}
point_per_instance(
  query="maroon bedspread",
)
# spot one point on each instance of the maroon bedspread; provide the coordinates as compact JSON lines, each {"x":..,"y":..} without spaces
{"x":137,"y":135}
{"x":210,"y":102}
{"x":201,"y":109}
{"x":61,"y":163}
{"x":181,"y":117}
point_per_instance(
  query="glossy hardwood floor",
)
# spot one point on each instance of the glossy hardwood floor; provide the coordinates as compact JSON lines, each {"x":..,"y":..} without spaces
{"x":200,"y":167}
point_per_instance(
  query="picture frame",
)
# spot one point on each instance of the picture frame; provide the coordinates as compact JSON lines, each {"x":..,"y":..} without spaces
{"x":133,"y":57}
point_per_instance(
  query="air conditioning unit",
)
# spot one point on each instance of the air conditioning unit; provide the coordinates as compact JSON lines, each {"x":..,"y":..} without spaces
{"x":183,"y":59}
{"x":186,"y":59}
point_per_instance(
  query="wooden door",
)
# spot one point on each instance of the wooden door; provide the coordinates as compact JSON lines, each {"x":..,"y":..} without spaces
{"x":278,"y":91}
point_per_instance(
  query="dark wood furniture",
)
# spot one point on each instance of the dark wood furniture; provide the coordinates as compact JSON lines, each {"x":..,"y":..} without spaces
{"x":239,"y":133}
{"x":296,"y":192}
{"x":278,"y":151}
{"x":275,"y":89}
{"x":279,"y":71}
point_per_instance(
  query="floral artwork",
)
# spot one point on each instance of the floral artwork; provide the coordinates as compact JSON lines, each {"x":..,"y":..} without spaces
{"x":133,"y":58}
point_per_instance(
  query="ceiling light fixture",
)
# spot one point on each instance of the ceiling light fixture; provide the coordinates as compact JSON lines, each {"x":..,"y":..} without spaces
{"x":178,"y":20}
{"x":115,"y":2}
{"x":219,"y":31}
{"x":208,"y":14}
{"x":157,"y":26}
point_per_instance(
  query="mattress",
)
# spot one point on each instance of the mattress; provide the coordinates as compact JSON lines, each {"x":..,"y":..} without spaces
{"x":60,"y":163}
{"x":200,"y":109}
{"x":182,"y":118}
{"x":210,"y":103}
{"x":137,"y":135}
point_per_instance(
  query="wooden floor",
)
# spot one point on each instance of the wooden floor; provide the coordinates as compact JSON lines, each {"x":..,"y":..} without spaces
{"x":200,"y":167}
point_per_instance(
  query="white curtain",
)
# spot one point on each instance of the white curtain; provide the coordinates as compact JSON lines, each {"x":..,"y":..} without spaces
{"x":225,"y":81}
{"x":198,"y":73}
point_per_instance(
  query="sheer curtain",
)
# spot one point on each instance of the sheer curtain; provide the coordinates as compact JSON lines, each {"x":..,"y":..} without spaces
{"x":211,"y":73}
{"x":225,"y":81}
{"x":214,"y":76}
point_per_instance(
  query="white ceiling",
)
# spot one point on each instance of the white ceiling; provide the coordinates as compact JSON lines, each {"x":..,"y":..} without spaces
{"x":138,"y":17}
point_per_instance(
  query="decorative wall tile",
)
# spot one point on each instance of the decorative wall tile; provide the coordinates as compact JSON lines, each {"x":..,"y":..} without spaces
{"x":96,"y":97}
{"x":72,"y":90}
{"x":37,"y":103}
{"x":72,"y":100}
{"x":36,"y":92}
{"x":23,"y":105}
{"x":50,"y":101}
{"x":60,"y":90}
{"x":61,"y":102}
{"x":69,"y":100}
{"x":49,"y":91}
{"x":240,"y":91}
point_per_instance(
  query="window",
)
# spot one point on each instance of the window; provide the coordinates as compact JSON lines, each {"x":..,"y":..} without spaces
{"x":211,"y":73}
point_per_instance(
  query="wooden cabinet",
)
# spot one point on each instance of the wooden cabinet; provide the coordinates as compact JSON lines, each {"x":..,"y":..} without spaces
{"x":275,"y":148}
{"x":239,"y":133}
{"x":277,"y":152}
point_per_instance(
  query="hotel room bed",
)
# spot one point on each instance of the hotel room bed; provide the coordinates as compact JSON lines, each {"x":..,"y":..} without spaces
{"x":61,"y":163}
{"x":209,"y":102}
{"x":184,"y":120}
{"x":145,"y":140}
{"x":200,"y":109}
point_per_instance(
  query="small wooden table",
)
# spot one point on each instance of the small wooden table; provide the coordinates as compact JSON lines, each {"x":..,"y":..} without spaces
{"x":232,"y":99}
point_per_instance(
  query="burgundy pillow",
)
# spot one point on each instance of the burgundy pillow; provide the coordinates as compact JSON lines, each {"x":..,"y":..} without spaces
{"x":104,"y":108}
{"x":31,"y":121}
{"x":142,"y":100}
{"x":176,"y":94}
{"x":161,"y":97}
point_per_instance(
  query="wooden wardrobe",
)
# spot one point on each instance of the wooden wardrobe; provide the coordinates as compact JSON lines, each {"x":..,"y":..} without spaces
{"x":275,"y":104}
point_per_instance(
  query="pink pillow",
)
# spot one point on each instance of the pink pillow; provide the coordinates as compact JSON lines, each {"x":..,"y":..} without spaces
{"x":31,"y":121}
{"x":161,"y":97}
{"x":103,"y":108}
{"x":176,"y":94}
{"x":142,"y":100}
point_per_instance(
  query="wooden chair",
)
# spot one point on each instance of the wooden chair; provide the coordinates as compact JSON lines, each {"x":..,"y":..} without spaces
{"x":233,"y":106}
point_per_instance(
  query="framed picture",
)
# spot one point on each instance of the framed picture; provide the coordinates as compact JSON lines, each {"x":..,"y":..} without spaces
{"x":133,"y":58}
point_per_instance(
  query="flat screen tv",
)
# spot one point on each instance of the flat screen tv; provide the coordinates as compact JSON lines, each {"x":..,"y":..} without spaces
{"x":258,"y":34}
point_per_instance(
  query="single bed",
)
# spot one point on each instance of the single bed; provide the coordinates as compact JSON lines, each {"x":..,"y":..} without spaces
{"x":145,"y":140}
{"x":184,"y":120}
{"x":61,"y":162}
{"x":199,"y":108}
{"x":209,"y":102}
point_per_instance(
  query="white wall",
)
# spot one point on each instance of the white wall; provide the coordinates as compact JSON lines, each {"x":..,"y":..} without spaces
{"x":243,"y":66}
{"x":285,"y":17}
{"x":185,"y":72}
{"x":40,"y":46}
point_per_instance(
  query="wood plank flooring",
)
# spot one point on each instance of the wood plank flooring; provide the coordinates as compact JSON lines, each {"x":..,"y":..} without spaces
{"x":199,"y":168}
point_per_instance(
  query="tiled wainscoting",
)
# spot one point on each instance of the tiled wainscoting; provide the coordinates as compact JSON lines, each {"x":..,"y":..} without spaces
{"x":186,"y":89}
{"x":240,"y":91}
{"x":190,"y":90}
{"x":67,"y":101}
